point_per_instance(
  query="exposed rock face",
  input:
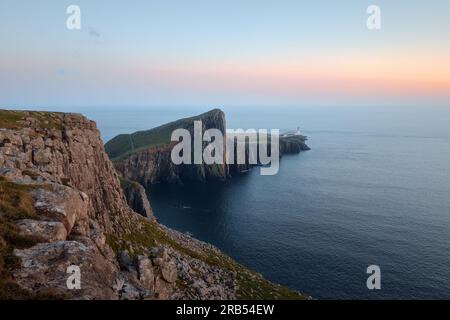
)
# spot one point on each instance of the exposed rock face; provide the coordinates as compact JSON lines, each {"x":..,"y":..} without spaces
{"x":80,"y":218}
{"x":287,"y":145}
{"x":146,"y":273}
{"x":153,"y":164}
{"x":293,"y":144}
{"x":148,"y":163}
{"x":55,"y":202}
{"x":66,"y":150}
{"x":137,"y":197}
{"x":44,"y":266}
{"x":76,"y":197}
{"x":50,"y":231}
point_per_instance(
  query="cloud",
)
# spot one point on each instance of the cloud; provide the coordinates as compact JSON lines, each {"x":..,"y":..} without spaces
{"x":94,"y":33}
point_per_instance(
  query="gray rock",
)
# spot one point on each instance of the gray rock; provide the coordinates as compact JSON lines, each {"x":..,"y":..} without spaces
{"x":169,"y":272}
{"x":146,"y":273}
{"x":118,"y":284}
{"x":158,"y":252}
{"x":124,"y":259}
{"x":42,"y":156}
{"x":48,"y":230}
{"x":44,"y":267}
{"x":60,"y":203}
{"x":153,"y":164}
{"x":129,"y":292}
{"x":157,"y":261}
{"x":137,"y":197}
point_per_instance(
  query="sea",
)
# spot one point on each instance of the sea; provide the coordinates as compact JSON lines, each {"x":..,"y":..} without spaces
{"x":373,"y":190}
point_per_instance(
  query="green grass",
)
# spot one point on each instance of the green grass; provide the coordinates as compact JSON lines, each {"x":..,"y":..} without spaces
{"x":123,"y":145}
{"x":126,"y":183}
{"x":11,"y":119}
{"x":251,"y":285}
{"x":15,"y":204}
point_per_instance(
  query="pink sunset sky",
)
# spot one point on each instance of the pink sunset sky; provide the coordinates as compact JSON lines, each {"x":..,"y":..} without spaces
{"x":274,"y":53}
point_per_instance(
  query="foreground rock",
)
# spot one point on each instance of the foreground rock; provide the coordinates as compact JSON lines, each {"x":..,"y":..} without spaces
{"x":44,"y":267}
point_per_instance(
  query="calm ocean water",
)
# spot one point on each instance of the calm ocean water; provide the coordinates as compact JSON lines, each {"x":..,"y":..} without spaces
{"x":374,"y":189}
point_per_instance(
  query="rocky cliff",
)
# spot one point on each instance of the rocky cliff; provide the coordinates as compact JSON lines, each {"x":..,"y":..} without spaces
{"x":136,"y":197}
{"x":64,"y":149}
{"x":287,"y":145}
{"x":145,"y":156}
{"x":293,"y":144}
{"x":61,"y":206}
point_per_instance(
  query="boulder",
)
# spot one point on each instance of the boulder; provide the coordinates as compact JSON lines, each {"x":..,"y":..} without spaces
{"x":54,"y":202}
{"x":42,"y":156}
{"x":169,"y":272}
{"x":124,"y":259}
{"x":44,"y":267}
{"x":158,"y":252}
{"x":49,"y":231}
{"x":129,"y":292}
{"x":146,"y":273}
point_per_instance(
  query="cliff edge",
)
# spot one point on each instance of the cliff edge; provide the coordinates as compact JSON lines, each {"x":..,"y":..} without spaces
{"x":145,"y":156}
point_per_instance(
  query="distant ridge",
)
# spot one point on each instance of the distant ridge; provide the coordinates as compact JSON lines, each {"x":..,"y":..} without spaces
{"x":124,"y":145}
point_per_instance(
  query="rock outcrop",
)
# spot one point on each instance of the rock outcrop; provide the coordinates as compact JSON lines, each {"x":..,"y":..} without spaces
{"x":293,"y":144}
{"x":62,"y":209}
{"x":137,"y":197}
{"x":145,"y":156}
{"x":65,"y":149}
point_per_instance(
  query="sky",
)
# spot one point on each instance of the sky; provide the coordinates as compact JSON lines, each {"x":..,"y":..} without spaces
{"x":224,"y":53}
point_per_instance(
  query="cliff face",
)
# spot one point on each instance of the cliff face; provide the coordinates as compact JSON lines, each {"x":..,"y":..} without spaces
{"x":148,"y":162}
{"x":287,"y":145}
{"x":145,"y":156}
{"x":62,"y":206}
{"x":65,"y":149}
{"x":74,"y":199}
{"x":293,"y":144}
{"x":137,"y":197}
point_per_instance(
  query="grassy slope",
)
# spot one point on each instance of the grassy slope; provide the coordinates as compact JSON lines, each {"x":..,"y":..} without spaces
{"x":123,"y":145}
{"x":251,"y":285}
{"x":10,"y":119}
{"x":15,"y":204}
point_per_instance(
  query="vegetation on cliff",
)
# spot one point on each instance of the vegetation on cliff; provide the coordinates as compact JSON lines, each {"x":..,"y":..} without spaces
{"x":12,"y":119}
{"x":15,"y":204}
{"x":250,"y":285}
{"x":123,"y":145}
{"x":136,"y":197}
